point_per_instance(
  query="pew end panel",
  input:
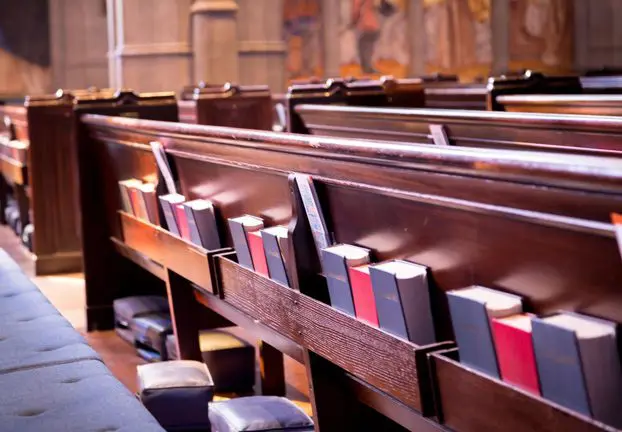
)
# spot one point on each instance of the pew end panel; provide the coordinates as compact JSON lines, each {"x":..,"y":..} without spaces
{"x":593,"y":104}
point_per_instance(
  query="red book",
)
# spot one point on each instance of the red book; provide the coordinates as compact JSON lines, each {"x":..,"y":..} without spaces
{"x":514,"y":346}
{"x":138,"y":203}
{"x":255,"y":244}
{"x":182,"y":222}
{"x":363,"y":295}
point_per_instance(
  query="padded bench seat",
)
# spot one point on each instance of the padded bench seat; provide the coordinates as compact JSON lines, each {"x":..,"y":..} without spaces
{"x":78,"y":397}
{"x":51,"y":379}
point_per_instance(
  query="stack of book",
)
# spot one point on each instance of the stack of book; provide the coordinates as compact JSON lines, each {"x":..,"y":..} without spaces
{"x":139,"y":199}
{"x":264,"y":250}
{"x":392,"y":295}
{"x":194,"y":221}
{"x":568,"y":358}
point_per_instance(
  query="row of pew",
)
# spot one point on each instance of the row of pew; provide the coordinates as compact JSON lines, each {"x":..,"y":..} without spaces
{"x":516,"y":201}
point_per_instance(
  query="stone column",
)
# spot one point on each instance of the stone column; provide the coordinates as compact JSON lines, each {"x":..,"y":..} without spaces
{"x":150,"y":49}
{"x":261,"y":47}
{"x":215,"y":41}
{"x":500,"y":29}
{"x":417,"y":38}
{"x":331,"y":28}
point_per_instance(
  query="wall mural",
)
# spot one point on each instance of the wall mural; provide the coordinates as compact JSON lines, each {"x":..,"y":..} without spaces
{"x":373,"y":38}
{"x":24,"y":47}
{"x":458,"y":37}
{"x":303,"y":35}
{"x":541,"y":35}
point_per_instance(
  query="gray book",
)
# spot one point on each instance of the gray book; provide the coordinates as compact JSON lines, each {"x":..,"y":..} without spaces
{"x":402,"y":299}
{"x":274,"y":244}
{"x":168,"y":203}
{"x":471,"y":311}
{"x":579,"y":364}
{"x":336,"y":260}
{"x":239,"y":227}
{"x":202,"y":224}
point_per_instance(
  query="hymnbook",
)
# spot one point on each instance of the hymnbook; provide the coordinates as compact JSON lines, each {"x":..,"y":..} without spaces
{"x":471,"y":311}
{"x":126,"y":199}
{"x":336,"y":261}
{"x":579,"y":364}
{"x":515,"y":354}
{"x":276,"y":247}
{"x":202,"y":224}
{"x":402,"y":296}
{"x":239,"y":228}
{"x":169,"y":205}
{"x":363,"y":295}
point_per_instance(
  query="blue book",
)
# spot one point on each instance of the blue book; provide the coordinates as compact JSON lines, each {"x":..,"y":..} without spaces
{"x":275,"y":247}
{"x":579,"y":364}
{"x":336,"y":260}
{"x":239,"y":227}
{"x":402,"y":298}
{"x":471,"y":311}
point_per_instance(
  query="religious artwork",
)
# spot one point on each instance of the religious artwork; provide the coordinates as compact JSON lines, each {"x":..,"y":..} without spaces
{"x":24,"y":48}
{"x":303,"y":36}
{"x":458,"y":37}
{"x":541,"y":35}
{"x":373,"y":38}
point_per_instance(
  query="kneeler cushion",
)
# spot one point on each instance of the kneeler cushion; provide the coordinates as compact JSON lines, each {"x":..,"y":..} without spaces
{"x":258,"y":413}
{"x":81,"y":396}
{"x":177,"y":393}
{"x":128,"y":308}
{"x":230,"y":360}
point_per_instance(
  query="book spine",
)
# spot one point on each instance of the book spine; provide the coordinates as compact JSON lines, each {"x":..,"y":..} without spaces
{"x":472,"y":331}
{"x":192,"y":226}
{"x":240,"y":243}
{"x":363,"y":296}
{"x":182,"y":222}
{"x":169,"y":216}
{"x":414,"y":297}
{"x":125,"y":199}
{"x":255,"y":244}
{"x":138,"y":204}
{"x":339,"y":291}
{"x":274,"y":258}
{"x":151,"y":207}
{"x":517,"y":362}
{"x":388,"y":303}
{"x":207,"y":228}
{"x":559,"y":366}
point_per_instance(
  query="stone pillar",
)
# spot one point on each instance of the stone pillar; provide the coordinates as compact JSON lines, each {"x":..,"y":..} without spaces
{"x":261,"y":48}
{"x":150,"y":49}
{"x":417,"y":38}
{"x":331,"y":27}
{"x":215,"y":41}
{"x":500,"y":29}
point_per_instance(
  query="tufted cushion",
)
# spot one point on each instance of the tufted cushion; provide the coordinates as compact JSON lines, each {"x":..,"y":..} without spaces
{"x":230,"y":360}
{"x":150,"y":332}
{"x":16,"y":306}
{"x":177,"y":393}
{"x":76,"y":397}
{"x":258,"y":413}
{"x":39,"y":342}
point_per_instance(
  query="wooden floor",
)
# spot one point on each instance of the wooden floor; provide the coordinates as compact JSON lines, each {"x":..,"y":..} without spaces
{"x":67,"y":293}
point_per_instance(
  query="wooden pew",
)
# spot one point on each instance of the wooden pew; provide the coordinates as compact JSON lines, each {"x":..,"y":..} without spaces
{"x":529,"y":223}
{"x":227,"y":105}
{"x":590,"y":135}
{"x":49,"y":127}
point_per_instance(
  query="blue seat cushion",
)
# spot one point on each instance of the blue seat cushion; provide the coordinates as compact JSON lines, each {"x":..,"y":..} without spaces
{"x":18,"y":306}
{"x":39,"y":342}
{"x":258,"y":413}
{"x":76,"y":397}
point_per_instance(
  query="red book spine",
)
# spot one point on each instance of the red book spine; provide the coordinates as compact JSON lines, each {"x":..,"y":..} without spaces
{"x":255,"y":244}
{"x":135,"y":198}
{"x":517,"y":362}
{"x":363,"y":295}
{"x":182,"y":222}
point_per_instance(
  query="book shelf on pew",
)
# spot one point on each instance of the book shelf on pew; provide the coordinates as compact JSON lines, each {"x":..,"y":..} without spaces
{"x":420,"y":388}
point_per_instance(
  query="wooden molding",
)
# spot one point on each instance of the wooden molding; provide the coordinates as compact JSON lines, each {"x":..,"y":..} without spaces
{"x":156,"y":49}
{"x":207,"y":6}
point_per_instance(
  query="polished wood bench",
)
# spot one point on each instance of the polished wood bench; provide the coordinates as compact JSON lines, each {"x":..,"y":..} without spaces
{"x":536,"y":224}
{"x":589,"y":135}
{"x":227,"y":104}
{"x":49,"y":127}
